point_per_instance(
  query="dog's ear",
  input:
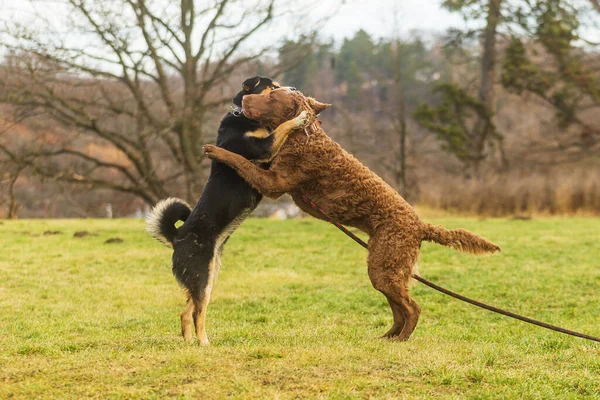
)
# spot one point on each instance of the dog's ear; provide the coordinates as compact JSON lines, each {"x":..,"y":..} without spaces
{"x":251,"y":83}
{"x":317,"y":106}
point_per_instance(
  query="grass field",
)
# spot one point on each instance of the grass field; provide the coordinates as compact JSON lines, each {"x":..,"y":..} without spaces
{"x":294,"y":316}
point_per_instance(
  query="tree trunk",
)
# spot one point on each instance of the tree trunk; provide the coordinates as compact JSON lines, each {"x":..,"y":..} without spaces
{"x":486,"y":90}
{"x":401,"y":116}
{"x":13,"y":206}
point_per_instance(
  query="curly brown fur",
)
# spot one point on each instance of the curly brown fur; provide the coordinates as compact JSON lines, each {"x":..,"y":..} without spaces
{"x":348,"y":192}
{"x":459,"y":239}
{"x":262,"y":109}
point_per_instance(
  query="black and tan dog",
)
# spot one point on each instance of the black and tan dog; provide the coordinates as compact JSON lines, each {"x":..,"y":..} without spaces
{"x":225,"y":202}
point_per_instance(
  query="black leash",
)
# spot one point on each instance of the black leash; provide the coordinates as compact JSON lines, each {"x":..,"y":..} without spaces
{"x":456,"y":295}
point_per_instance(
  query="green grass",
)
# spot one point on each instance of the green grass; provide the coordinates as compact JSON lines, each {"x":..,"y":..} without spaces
{"x":294,"y":316}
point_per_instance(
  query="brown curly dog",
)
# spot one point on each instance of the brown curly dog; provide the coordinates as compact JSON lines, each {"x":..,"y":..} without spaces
{"x":318,"y":168}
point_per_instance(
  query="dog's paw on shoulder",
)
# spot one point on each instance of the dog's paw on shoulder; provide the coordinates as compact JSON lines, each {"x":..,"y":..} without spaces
{"x":301,"y":119}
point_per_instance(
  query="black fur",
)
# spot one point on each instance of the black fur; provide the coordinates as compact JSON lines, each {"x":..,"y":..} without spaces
{"x":226,"y":200}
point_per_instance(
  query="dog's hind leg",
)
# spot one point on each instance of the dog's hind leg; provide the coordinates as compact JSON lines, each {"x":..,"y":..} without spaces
{"x":391,"y":260}
{"x":187,"y":321}
{"x":201,"y":298}
{"x":192,"y":264}
{"x":200,"y":307}
{"x":399,"y":320}
{"x":411,"y":310}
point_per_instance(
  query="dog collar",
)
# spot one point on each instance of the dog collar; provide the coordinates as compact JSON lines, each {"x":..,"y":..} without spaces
{"x":235,"y":110}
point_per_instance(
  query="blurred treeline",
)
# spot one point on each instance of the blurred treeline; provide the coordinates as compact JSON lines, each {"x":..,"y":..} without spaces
{"x":534,"y":162}
{"x":500,"y":119}
{"x":496,"y":120}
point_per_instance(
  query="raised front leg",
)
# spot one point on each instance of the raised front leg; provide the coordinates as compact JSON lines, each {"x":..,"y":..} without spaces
{"x":281,"y":133}
{"x":271,"y":183}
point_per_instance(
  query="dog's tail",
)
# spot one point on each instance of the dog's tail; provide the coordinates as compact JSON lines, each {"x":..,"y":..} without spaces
{"x":160,"y":223}
{"x":458,"y":239}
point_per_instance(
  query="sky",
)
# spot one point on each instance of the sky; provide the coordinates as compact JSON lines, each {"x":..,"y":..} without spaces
{"x":343,"y":18}
{"x":375,"y":16}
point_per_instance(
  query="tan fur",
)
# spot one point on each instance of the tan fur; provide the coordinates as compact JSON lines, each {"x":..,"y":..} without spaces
{"x":281,"y":133}
{"x":348,"y":192}
{"x":261,"y":133}
{"x":187,"y":320}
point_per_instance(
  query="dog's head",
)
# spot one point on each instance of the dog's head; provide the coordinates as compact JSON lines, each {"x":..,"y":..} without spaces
{"x":275,"y":107}
{"x":255,"y":85}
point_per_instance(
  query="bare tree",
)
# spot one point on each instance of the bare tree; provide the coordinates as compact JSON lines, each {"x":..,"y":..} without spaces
{"x":137,"y":77}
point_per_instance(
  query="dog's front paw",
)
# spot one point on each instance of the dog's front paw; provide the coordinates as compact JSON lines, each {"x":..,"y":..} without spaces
{"x":301,"y":119}
{"x":211,"y":151}
{"x":219,"y":154}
